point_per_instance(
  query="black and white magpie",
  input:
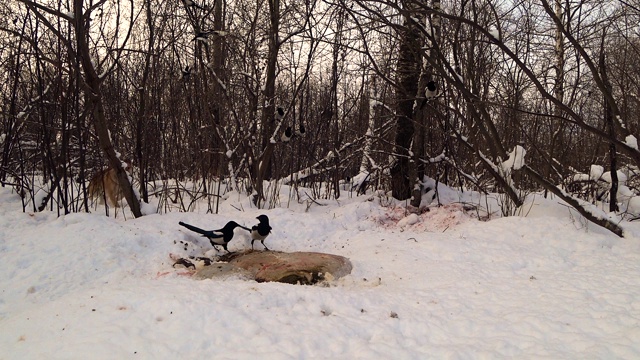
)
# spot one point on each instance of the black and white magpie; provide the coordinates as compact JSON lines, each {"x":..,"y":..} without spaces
{"x":186,"y":73}
{"x":288,"y":133}
{"x":191,"y":3}
{"x":300,"y":132}
{"x":260,"y":231}
{"x":432,"y":90}
{"x":204,"y":35}
{"x":217,"y":237}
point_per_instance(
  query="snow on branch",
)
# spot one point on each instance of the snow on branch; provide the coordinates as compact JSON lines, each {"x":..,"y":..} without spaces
{"x":496,"y":171}
{"x":586,"y":209}
{"x":631,"y":142}
{"x":375,"y":103}
{"x":515,"y":160}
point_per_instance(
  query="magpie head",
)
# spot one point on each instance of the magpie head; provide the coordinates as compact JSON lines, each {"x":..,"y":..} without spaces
{"x":264,"y":219}
{"x":431,"y":85}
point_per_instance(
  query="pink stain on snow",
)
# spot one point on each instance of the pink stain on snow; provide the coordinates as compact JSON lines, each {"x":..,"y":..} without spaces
{"x":437,"y":218}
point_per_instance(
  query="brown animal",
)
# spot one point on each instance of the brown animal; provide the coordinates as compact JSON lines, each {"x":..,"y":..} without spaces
{"x":104,"y":185}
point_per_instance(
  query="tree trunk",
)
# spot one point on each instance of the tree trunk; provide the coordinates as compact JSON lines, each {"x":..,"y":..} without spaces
{"x":263,"y":165}
{"x":423,"y":113}
{"x":94,"y":102}
{"x":142,"y":109}
{"x":337,"y":43}
{"x":608,"y":120}
{"x":408,"y":70}
{"x":557,"y":127}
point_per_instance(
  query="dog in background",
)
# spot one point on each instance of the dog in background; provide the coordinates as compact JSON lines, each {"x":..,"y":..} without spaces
{"x":104,"y":186}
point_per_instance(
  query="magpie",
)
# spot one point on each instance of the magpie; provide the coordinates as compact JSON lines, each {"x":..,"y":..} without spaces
{"x":191,"y":3}
{"x":287,"y":134}
{"x":204,"y":35}
{"x":432,"y":90}
{"x":217,"y":237}
{"x":279,"y":113}
{"x":186,"y":73}
{"x":260,"y":231}
{"x":301,"y":131}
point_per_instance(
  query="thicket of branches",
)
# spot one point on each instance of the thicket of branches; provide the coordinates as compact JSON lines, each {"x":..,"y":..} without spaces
{"x":250,"y":95}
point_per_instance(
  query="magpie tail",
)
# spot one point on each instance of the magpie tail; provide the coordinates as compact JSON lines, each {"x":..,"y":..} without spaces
{"x":193,"y":228}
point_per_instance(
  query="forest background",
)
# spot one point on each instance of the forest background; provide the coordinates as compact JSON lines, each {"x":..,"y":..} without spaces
{"x":331,"y":96}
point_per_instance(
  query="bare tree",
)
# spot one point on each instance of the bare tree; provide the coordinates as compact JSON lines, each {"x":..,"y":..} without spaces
{"x":408,"y":70}
{"x":79,"y":50}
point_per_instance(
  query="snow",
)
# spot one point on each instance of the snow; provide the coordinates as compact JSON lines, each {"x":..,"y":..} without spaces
{"x":632,"y":142}
{"x":632,"y":205}
{"x":40,"y":195}
{"x":374,"y":103}
{"x":596,"y":172}
{"x":494,"y":33}
{"x":459,"y":76}
{"x":622,"y":124}
{"x":439,"y":158}
{"x":547,"y":285}
{"x":622,"y":177}
{"x":409,"y":220}
{"x":361,"y":177}
{"x":515,"y":160}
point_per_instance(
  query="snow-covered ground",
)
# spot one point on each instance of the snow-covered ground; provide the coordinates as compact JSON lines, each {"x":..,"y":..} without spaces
{"x":442,"y":285}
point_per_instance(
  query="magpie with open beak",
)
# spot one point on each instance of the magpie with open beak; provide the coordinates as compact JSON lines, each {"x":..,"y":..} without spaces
{"x":260,"y":231}
{"x":217,"y":237}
